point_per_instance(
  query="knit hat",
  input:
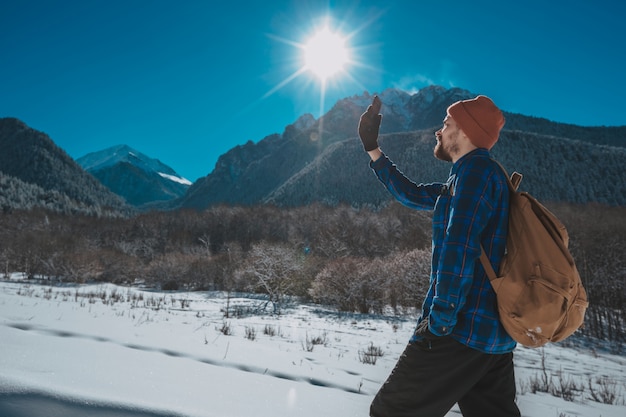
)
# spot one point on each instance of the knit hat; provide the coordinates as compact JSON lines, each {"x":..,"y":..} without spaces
{"x":479,"y":119}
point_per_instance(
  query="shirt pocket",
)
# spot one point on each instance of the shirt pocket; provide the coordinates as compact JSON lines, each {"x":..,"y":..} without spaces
{"x":441,"y":216}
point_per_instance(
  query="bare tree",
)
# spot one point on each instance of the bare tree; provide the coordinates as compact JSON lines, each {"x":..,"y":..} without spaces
{"x":271,"y":269}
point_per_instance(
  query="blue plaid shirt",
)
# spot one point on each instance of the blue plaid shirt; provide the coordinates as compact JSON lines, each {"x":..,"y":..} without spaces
{"x":469,"y":209}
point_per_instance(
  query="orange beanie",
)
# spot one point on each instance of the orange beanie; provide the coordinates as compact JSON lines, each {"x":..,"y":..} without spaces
{"x":480,"y":119}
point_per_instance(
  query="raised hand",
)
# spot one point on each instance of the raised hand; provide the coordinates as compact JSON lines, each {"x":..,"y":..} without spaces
{"x":369,"y":125}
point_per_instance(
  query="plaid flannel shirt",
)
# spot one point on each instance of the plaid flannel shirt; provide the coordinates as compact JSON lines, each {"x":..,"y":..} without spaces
{"x":469,"y":209}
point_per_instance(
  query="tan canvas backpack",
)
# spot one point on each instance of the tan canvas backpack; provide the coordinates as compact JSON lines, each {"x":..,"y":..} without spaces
{"x":540,"y":295}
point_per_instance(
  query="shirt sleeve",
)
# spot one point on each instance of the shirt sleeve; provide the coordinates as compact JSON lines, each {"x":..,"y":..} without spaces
{"x":469,"y":213}
{"x":408,"y":193}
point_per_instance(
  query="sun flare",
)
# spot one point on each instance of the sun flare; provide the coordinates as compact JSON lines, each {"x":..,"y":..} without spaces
{"x":325,"y":54}
{"x":326,"y":59}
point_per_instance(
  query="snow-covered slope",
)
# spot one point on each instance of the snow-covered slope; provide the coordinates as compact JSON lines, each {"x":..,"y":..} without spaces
{"x":106,"y":350}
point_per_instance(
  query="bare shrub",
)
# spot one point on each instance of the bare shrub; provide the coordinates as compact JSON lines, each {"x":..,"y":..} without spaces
{"x":605,"y":390}
{"x":250,"y":333}
{"x":408,"y":278}
{"x":270,"y":269}
{"x":310,"y":342}
{"x":370,"y":355}
{"x":225,"y":329}
{"x":271,"y":330}
{"x":566,"y":387}
{"x":369,"y":285}
{"x":351,"y":284}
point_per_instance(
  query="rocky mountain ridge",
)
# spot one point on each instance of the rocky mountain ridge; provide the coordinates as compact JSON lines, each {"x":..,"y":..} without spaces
{"x":323,"y":160}
{"x":311,"y":161}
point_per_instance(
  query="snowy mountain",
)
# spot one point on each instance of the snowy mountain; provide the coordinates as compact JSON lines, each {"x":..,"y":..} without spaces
{"x":138,"y":178}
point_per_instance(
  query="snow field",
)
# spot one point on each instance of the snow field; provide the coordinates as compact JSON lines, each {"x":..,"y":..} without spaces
{"x":175,"y":354}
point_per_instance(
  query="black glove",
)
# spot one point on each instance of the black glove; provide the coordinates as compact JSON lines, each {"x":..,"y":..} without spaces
{"x":369,"y":124}
{"x":422,"y":330}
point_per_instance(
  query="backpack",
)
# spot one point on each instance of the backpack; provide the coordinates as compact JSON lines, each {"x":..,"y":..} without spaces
{"x":539,"y":292}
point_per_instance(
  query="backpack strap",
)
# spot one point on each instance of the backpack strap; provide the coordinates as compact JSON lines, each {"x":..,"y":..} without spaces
{"x":514,"y":180}
{"x":513,"y":183}
{"x":487,"y":265}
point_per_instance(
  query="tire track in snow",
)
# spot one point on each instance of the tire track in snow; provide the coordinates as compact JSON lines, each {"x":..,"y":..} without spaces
{"x":175,"y":354}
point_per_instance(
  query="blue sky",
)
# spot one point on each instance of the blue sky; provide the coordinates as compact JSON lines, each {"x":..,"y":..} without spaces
{"x":185,"y":81}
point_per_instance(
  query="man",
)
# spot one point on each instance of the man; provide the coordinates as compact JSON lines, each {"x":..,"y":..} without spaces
{"x":459,"y":353}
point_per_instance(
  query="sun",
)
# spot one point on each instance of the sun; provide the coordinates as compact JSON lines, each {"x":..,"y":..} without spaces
{"x":325,"y":53}
{"x":326,"y":58}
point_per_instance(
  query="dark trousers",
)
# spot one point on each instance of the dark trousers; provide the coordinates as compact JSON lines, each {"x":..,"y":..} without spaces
{"x":430,"y":377}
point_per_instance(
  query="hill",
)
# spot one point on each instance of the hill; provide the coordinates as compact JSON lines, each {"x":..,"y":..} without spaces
{"x":323,"y":161}
{"x":37,"y":173}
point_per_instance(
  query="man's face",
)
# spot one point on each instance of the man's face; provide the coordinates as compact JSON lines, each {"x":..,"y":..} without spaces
{"x":447,"y":140}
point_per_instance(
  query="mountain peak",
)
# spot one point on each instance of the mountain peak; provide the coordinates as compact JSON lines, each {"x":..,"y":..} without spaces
{"x":290,"y":170}
{"x":110,"y":156}
{"x":134,"y":175}
{"x":304,"y":122}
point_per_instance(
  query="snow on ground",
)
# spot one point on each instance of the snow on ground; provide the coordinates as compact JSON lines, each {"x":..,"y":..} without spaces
{"x":103,"y":350}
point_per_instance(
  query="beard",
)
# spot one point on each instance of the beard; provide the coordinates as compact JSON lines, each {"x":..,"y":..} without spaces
{"x":441,"y":153}
{"x":445,"y":152}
